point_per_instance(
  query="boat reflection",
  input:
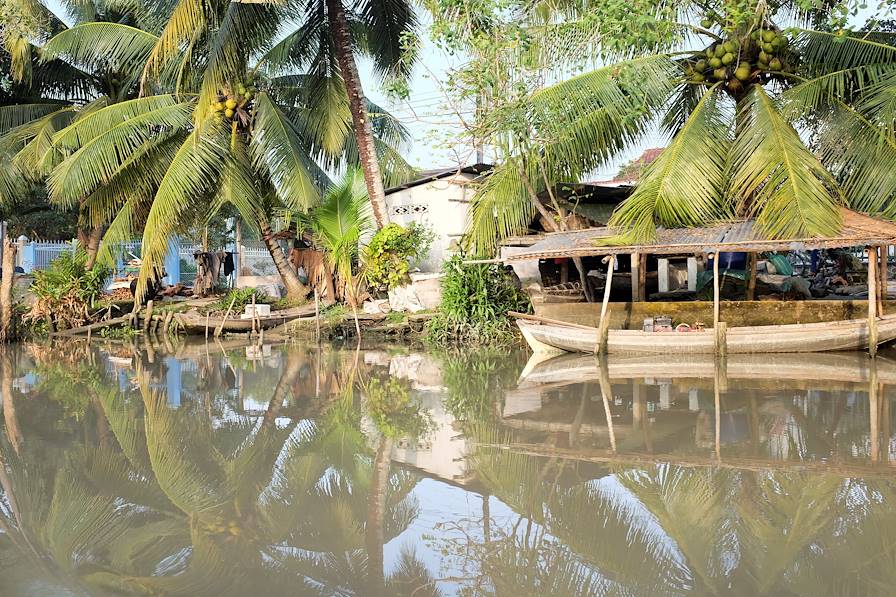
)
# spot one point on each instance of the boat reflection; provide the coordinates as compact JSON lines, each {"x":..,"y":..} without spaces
{"x":219,"y":469}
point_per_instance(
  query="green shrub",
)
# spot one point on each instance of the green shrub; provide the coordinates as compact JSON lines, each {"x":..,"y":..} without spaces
{"x":67,"y":291}
{"x":475,"y":302}
{"x":388,"y":256}
{"x":241,"y":297}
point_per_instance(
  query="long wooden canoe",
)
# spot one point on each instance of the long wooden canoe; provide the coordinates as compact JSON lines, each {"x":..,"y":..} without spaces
{"x":843,"y":367}
{"x":195,"y":323}
{"x":557,"y":337}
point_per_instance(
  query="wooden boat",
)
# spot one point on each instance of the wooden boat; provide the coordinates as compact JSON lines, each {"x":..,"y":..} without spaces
{"x":550,"y":336}
{"x":843,"y":367}
{"x":194,"y":322}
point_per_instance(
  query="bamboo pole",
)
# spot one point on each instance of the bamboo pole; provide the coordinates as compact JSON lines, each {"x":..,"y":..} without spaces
{"x":872,"y":301}
{"x":604,"y":323}
{"x":606,"y":392}
{"x":224,"y":321}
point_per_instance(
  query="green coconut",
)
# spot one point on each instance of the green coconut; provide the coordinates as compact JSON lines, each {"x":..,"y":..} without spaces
{"x":775,"y":64}
{"x":754,"y":35}
{"x":729,"y":47}
{"x":762,"y":65}
{"x":698,"y":78}
{"x":710,"y":52}
{"x":229,"y":113}
{"x":249,"y":95}
{"x":769,"y":36}
{"x":720,"y":73}
{"x":742,"y":72}
{"x":728,"y":58}
{"x":706,"y":23}
{"x":768,"y":48}
{"x":700,"y":65}
{"x":715,"y":62}
{"x":763,"y":57}
{"x":230,"y":104}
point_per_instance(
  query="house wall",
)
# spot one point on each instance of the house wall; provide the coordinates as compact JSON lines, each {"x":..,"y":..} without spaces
{"x":442,"y":205}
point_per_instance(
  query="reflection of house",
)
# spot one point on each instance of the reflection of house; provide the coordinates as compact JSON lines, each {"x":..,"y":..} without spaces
{"x":438,"y":199}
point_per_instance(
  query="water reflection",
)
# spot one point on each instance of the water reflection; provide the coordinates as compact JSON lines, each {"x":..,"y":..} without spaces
{"x":225,"y":469}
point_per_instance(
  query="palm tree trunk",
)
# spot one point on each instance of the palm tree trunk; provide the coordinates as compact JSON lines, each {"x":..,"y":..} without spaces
{"x":295,"y":290}
{"x":376,"y":512}
{"x":358,"y":105}
{"x":6,"y":285}
{"x":93,"y":245}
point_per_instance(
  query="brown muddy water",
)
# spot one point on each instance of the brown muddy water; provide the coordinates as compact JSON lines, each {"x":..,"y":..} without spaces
{"x":285,"y":470}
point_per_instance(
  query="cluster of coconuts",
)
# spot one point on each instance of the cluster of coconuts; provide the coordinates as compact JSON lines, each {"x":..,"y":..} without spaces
{"x":230,"y":102}
{"x":762,"y":53}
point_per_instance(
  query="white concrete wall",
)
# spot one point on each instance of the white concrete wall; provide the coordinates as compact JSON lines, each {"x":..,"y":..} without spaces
{"x":442,"y":205}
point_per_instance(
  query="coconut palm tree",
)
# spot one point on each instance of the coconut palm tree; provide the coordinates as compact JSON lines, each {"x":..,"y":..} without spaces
{"x":782,"y":124}
{"x":228,"y":122}
{"x":49,"y":88}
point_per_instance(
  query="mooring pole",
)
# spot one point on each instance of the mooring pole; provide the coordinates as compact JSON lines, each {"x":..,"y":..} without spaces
{"x":872,"y":300}
{"x":604,"y":323}
{"x":720,"y":331}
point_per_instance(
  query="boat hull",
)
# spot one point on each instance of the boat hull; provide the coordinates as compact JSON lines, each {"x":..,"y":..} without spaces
{"x":792,"y":338}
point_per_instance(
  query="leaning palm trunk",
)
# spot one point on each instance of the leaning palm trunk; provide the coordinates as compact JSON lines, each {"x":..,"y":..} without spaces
{"x":6,"y":285}
{"x":376,"y":511}
{"x":93,"y":245}
{"x":358,"y":105}
{"x":295,"y":290}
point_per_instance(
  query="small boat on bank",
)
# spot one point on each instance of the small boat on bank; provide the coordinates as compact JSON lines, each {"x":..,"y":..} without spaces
{"x":558,"y":337}
{"x":194,"y":322}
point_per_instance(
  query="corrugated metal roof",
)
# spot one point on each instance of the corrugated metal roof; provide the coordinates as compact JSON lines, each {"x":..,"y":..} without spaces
{"x":857,"y":230}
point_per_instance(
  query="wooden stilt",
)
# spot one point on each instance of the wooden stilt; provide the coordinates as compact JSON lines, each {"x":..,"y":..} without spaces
{"x":882,"y":279}
{"x":751,"y":283}
{"x":721,"y":334}
{"x":874,"y":414}
{"x":717,"y":401}
{"x":636,"y":277}
{"x":604,"y":325}
{"x":642,"y":277}
{"x":872,"y":300}
{"x":606,"y":392}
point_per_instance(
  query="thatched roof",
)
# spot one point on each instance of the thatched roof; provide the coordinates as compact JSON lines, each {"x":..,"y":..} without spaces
{"x":738,"y":236}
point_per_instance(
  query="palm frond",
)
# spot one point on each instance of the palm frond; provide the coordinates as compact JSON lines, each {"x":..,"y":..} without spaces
{"x":19,"y":114}
{"x":776,"y":179}
{"x":341,"y":220}
{"x":101,"y":156}
{"x":278,"y":149}
{"x":105,"y":46}
{"x":391,"y":27}
{"x":685,"y":185}
{"x":193,"y":174}
{"x":823,"y":51}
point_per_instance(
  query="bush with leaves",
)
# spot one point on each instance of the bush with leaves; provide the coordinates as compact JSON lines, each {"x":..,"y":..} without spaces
{"x":388,"y":256}
{"x":475,"y":302}
{"x":241,"y":297}
{"x":67,"y":290}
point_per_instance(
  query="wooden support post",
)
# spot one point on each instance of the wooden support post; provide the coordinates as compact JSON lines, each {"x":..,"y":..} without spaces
{"x":604,"y":324}
{"x":606,"y":393}
{"x":874,"y":396}
{"x":642,"y":277}
{"x":882,"y":280}
{"x":872,"y":300}
{"x":720,"y":332}
{"x":636,"y":277}
{"x":317,"y":316}
{"x":662,"y":274}
{"x":692,"y":274}
{"x":147,"y":317}
{"x":751,"y":283}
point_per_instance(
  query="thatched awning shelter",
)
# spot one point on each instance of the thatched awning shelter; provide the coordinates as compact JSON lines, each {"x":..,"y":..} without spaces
{"x":736,"y":236}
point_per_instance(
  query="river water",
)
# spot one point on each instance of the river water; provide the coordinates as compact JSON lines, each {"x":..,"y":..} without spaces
{"x":221,"y":469}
